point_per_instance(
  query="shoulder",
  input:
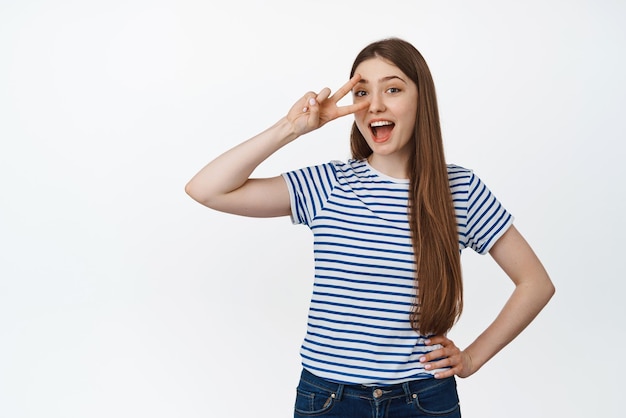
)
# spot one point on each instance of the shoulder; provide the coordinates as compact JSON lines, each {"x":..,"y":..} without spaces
{"x":350,"y":170}
{"x":457,"y":171}
{"x":459,"y":177}
{"x":351,"y":165}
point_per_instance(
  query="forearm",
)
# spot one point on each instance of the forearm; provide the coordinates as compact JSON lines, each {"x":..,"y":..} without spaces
{"x":232,"y":169}
{"x":527,"y":300}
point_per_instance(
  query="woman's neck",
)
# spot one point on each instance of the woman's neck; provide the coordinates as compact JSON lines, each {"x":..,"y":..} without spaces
{"x":392,"y":166}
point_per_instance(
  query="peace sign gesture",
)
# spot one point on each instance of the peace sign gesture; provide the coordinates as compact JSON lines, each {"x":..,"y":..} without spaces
{"x":314,"y":110}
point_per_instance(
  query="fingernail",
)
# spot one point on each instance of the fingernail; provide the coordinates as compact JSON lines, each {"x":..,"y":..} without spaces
{"x":422,"y":359}
{"x":427,"y":367}
{"x":312,"y":101}
{"x":426,"y":341}
{"x":304,"y":109}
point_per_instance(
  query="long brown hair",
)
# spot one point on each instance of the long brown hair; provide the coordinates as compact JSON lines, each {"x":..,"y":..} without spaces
{"x":431,"y":212}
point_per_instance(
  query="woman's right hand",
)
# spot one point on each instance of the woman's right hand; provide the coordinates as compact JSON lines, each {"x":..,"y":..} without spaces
{"x":314,"y":110}
{"x":225,"y":184}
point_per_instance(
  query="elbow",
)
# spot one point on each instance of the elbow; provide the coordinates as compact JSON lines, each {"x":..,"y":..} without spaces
{"x":551,"y":288}
{"x":189,"y":189}
{"x":539,"y":288}
{"x":202,"y":194}
{"x":548,"y":289}
{"x":192,"y":191}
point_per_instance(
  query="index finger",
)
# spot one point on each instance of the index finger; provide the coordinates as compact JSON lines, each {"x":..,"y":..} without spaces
{"x":346,"y":88}
{"x":352,"y":108}
{"x":438,"y":339}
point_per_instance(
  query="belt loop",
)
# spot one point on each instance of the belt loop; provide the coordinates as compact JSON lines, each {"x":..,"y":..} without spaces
{"x":407,"y":391}
{"x":339,"y":392}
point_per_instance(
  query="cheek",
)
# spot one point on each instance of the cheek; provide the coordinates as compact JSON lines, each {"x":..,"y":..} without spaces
{"x":360,"y":123}
{"x":410,"y":118}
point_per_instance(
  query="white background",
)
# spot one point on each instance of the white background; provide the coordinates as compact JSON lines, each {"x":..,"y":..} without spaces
{"x":122,"y":297}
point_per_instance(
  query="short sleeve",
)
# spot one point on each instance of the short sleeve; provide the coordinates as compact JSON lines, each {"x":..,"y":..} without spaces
{"x":487,"y":220}
{"x":309,"y":189}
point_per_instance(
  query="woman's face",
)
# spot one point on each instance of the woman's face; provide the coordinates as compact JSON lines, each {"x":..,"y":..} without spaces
{"x":388,"y":123}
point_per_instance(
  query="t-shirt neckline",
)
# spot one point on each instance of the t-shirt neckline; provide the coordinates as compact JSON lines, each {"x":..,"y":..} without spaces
{"x":385,"y":176}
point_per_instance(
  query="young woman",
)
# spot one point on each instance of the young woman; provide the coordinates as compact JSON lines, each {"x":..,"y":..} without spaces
{"x":388,"y":228}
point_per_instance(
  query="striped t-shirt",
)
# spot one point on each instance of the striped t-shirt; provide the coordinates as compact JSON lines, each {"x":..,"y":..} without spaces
{"x":358,"y":329}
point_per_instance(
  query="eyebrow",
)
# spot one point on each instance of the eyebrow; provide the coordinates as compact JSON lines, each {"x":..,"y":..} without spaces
{"x":388,"y":78}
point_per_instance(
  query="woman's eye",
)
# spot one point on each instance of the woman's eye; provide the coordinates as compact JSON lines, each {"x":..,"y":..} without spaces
{"x":360,"y":93}
{"x":393,"y":90}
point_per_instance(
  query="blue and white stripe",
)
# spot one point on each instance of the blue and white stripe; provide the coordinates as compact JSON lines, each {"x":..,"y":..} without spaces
{"x":358,"y":328}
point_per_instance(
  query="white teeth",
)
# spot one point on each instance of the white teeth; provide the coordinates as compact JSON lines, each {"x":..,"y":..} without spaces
{"x":380,"y":123}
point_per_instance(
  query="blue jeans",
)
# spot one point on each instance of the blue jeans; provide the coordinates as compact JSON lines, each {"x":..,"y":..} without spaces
{"x":317,"y":397}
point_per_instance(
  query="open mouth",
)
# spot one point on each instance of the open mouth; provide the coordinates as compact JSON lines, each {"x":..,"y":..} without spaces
{"x":381,"y":130}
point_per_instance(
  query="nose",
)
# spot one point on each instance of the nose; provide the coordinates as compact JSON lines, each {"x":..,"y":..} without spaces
{"x":377,"y":104}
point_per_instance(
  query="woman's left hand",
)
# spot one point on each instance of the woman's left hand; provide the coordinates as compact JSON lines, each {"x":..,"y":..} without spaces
{"x":449,"y":355}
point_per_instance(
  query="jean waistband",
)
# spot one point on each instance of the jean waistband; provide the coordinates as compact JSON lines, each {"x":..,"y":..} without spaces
{"x":407,"y":389}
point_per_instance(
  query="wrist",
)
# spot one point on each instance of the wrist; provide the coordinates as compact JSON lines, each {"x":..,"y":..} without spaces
{"x":472,"y":368}
{"x":285,"y":131}
{"x":475,"y":361}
